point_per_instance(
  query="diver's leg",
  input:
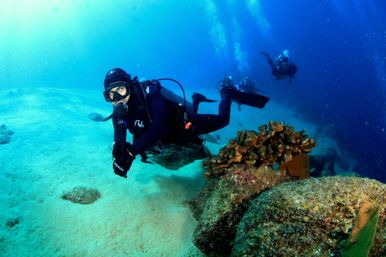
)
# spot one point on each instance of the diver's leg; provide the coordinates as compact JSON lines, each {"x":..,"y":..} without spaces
{"x":197,"y":99}
{"x":195,"y":104}
{"x":206,"y":123}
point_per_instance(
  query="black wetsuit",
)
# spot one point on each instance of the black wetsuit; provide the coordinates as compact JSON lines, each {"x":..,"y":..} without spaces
{"x":152,"y":118}
{"x":282,"y":68}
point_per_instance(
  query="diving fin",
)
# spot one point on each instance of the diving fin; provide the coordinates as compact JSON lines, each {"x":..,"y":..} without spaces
{"x":254,"y":100}
{"x":199,"y":98}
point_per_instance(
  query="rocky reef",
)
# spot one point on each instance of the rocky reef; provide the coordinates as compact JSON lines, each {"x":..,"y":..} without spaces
{"x":5,"y":134}
{"x":246,"y":209}
{"x":82,"y":195}
{"x":242,"y":170}
{"x":313,"y":217}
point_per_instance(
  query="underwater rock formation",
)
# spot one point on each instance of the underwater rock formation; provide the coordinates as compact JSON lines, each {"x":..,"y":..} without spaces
{"x":243,"y":170}
{"x":275,"y":143}
{"x":226,"y":205}
{"x":82,"y":195}
{"x":312,"y":217}
{"x":5,"y":134}
{"x":197,"y":204}
{"x":174,"y":156}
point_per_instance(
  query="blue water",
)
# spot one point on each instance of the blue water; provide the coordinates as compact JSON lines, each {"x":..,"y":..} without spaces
{"x":339,"y":47}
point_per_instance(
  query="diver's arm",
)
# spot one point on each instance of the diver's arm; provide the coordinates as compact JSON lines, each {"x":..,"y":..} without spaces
{"x":120,"y":130}
{"x":269,"y":60}
{"x":122,"y":153}
{"x":158,"y":124}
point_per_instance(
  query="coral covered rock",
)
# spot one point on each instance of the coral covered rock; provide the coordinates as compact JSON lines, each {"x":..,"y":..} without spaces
{"x":312,"y":217}
{"x":197,"y":204}
{"x":226,"y":205}
{"x":244,"y":170}
{"x":82,"y":195}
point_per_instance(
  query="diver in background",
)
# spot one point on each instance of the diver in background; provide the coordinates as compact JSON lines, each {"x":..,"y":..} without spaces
{"x":282,"y":68}
{"x":152,"y":118}
{"x":246,"y":86}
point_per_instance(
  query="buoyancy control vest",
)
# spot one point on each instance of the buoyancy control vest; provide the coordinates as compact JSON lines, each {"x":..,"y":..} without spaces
{"x":177,"y":108}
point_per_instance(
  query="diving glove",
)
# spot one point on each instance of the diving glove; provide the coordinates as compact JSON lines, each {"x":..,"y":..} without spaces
{"x":123,"y":157}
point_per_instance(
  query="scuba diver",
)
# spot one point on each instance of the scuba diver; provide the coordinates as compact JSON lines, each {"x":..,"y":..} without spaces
{"x":246,"y":85}
{"x":282,"y":68}
{"x":153,"y":115}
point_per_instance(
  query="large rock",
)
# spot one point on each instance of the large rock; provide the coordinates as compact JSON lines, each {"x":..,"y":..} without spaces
{"x":313,"y":217}
{"x":197,"y":204}
{"x":223,"y":210}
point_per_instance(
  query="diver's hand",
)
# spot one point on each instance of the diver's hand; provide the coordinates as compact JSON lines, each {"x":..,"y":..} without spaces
{"x":121,"y":167}
{"x":123,"y":158}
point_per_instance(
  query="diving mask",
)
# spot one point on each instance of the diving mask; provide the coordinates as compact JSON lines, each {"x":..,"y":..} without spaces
{"x":116,"y":92}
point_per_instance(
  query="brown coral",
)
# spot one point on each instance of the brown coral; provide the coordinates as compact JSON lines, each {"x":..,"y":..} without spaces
{"x":275,"y":143}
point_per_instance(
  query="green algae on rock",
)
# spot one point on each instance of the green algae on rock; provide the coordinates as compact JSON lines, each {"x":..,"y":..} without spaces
{"x":362,"y":235}
{"x":311,"y":217}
